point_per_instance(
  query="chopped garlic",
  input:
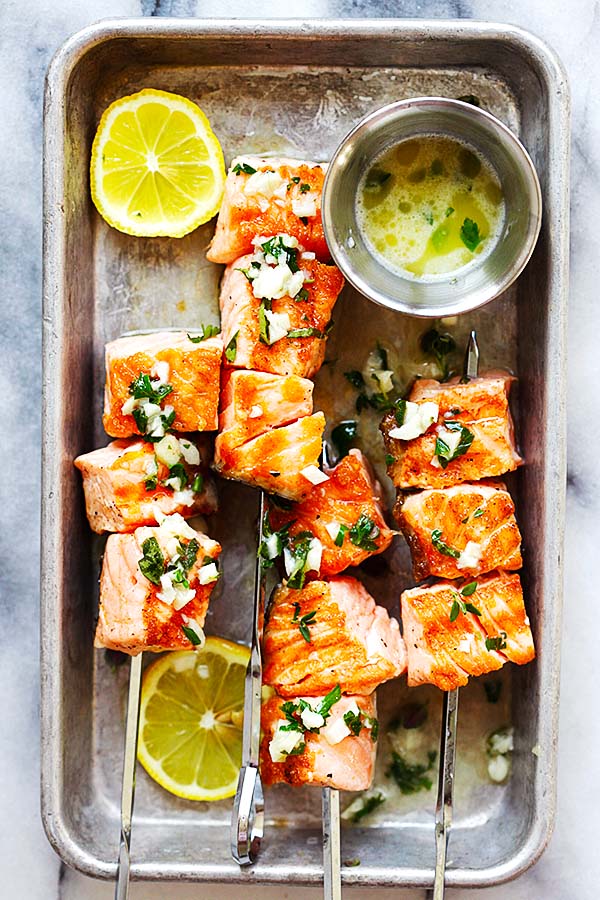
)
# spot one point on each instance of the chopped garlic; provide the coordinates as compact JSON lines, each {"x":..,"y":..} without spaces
{"x":184,"y":498}
{"x":383,"y":377}
{"x":501,"y":742}
{"x":335,"y":731}
{"x":279,"y":325}
{"x":256,"y":412}
{"x":161,"y":371}
{"x":275,"y":282}
{"x":283,"y":743}
{"x":176,"y":595}
{"x":271,"y":546}
{"x":314,"y":556}
{"x":308,"y":254}
{"x":418,"y":417}
{"x":466,"y":644}
{"x":208,"y":574}
{"x":314,"y":475}
{"x":332,"y":529}
{"x":190,"y":452}
{"x":470,"y":556}
{"x":304,"y":206}
{"x":129,"y":406}
{"x":498,"y":768}
{"x":263,"y":185}
{"x":168,"y":450}
{"x":311,"y":719}
{"x":173,"y":526}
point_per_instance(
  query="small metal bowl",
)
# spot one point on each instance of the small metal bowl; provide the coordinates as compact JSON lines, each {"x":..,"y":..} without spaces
{"x":482,"y":279}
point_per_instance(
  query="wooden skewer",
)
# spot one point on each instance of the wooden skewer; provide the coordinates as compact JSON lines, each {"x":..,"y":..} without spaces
{"x":444,"y":805}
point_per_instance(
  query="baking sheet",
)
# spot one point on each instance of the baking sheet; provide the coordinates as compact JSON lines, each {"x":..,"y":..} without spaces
{"x":294,"y":88}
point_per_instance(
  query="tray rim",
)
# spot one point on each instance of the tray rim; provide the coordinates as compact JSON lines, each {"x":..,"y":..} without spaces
{"x":63,"y":841}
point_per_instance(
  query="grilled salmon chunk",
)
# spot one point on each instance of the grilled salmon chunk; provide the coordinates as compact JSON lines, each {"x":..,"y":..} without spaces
{"x":268,"y":196}
{"x":126,"y":482}
{"x":447,"y":641}
{"x":255,"y":402}
{"x":144,"y":601}
{"x":344,"y":513}
{"x":282,"y":460}
{"x":299,"y":304}
{"x":450,"y":433}
{"x":328,"y":633}
{"x":462,"y":530}
{"x":333,"y":754}
{"x":156,"y":382}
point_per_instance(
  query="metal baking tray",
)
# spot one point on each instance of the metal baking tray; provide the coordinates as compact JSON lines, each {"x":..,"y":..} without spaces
{"x":297,"y":87}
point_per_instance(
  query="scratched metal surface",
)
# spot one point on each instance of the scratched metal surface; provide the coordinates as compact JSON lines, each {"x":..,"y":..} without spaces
{"x":295,"y":89}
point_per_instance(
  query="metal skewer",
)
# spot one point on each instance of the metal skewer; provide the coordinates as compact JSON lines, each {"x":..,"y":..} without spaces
{"x":332,"y":870}
{"x":247,"y":819}
{"x":444,"y":805}
{"x":128,"y":783}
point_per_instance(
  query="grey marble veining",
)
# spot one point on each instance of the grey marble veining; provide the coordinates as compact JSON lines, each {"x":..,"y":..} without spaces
{"x":30,"y":31}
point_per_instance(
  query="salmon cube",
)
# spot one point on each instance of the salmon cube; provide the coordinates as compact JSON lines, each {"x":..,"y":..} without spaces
{"x":338,"y":753}
{"x":344,"y":514}
{"x":155,"y":587}
{"x":255,"y":402}
{"x":452,"y":432}
{"x":463,"y":530}
{"x":280,"y":333}
{"x":126,"y":482}
{"x":453,"y":631}
{"x":269,"y":196}
{"x":282,"y":461}
{"x":160,"y":382}
{"x":330,"y":632}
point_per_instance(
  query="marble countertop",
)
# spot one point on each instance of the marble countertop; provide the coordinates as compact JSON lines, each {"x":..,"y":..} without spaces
{"x":30,"y":31}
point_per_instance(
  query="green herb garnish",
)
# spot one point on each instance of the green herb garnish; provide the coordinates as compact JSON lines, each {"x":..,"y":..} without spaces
{"x":411,"y":778}
{"x":440,"y":346}
{"x":191,"y":635}
{"x":305,"y":332}
{"x":243,"y":167}
{"x":198,"y":484}
{"x":206,"y":331}
{"x":364,"y":532}
{"x":400,"y":411}
{"x":152,"y":564}
{"x":304,"y":622}
{"x":460,"y":606}
{"x":339,"y":538}
{"x":178,"y":472}
{"x":369,"y":804}
{"x":304,"y":188}
{"x":389,"y":459}
{"x":441,"y":546}
{"x":496,"y":643}
{"x":231,"y":348}
{"x":442,"y":450}
{"x":301,"y":295}
{"x":354,"y":721}
{"x":143,"y":388}
{"x":469,"y":234}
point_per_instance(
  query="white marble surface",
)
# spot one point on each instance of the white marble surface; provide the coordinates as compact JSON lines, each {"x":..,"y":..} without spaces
{"x":30,"y":31}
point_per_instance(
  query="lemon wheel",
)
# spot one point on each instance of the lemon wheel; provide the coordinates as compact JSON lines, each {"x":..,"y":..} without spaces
{"x":191,"y":717}
{"x":157,"y":167}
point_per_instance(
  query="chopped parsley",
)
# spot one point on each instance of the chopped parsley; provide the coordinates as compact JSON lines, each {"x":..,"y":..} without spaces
{"x":369,"y":804}
{"x":152,"y":389}
{"x":179,"y":473}
{"x":280,"y":252}
{"x":400,"y":411}
{"x":441,"y":546}
{"x":206,"y":331}
{"x":389,"y":459}
{"x":469,"y":234}
{"x":263,"y":322}
{"x":198,"y":484}
{"x":191,"y":635}
{"x":293,"y":711}
{"x":299,"y":548}
{"x":243,"y":167}
{"x":306,"y":332}
{"x":343,"y":435}
{"x":294,"y":181}
{"x":152,"y":564}
{"x":339,"y":538}
{"x":231,"y":348}
{"x":273,"y":542}
{"x":354,"y":722}
{"x":411,"y":778}
{"x":364,"y":532}
{"x":439,"y":346}
{"x":449,"y":211}
{"x":496,"y":643}
{"x":301,"y":295}
{"x":442,"y":450}
{"x":304,"y":188}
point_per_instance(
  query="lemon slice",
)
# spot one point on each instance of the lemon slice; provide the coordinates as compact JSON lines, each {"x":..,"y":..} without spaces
{"x":191,"y":717}
{"x":157,"y":167}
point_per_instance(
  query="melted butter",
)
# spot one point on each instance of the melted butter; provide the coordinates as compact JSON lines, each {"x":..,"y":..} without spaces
{"x":429,"y":206}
